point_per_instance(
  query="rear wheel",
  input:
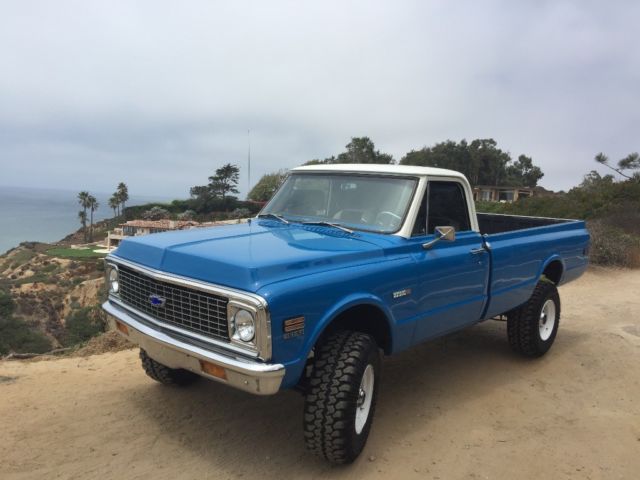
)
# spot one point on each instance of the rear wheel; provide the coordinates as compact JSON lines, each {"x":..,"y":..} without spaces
{"x":341,"y":396}
{"x":165,"y":375}
{"x":532,"y":328}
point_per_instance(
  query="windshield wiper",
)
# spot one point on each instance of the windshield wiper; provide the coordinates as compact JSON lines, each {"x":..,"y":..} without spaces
{"x":329,"y":224}
{"x":274,"y":215}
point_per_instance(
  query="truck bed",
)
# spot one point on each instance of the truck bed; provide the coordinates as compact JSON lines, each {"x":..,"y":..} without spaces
{"x":522,"y":247}
{"x":491,"y":223}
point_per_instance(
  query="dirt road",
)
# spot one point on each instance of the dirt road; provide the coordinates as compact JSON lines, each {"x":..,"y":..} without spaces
{"x":461,"y":407}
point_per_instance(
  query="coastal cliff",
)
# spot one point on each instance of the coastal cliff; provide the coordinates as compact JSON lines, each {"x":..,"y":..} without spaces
{"x":48,"y":301}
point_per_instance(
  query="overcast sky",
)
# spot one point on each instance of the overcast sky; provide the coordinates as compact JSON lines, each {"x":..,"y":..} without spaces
{"x":160,"y":94}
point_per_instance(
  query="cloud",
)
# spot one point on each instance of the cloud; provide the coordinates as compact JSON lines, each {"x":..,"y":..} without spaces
{"x":159,"y":95}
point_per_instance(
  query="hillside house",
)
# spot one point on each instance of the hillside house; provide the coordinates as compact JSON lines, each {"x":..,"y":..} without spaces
{"x":135,"y":228}
{"x":487,"y":193}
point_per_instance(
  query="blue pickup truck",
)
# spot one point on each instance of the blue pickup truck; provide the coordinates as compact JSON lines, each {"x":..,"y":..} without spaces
{"x":344,"y":264}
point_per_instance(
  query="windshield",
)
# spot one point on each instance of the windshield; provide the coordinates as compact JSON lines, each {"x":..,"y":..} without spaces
{"x":362,"y":202}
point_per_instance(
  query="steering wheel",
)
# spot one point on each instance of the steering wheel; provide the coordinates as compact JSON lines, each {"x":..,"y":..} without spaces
{"x":388,"y":219}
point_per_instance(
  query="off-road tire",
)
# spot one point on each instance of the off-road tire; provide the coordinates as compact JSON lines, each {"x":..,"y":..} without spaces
{"x":165,"y":375}
{"x":523,"y":323}
{"x":332,"y":397}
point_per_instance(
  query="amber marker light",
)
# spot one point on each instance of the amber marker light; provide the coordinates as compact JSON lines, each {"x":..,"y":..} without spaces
{"x":213,"y":370}
{"x":122,"y":327}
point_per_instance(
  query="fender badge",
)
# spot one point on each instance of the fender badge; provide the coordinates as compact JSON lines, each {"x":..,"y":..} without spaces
{"x":402,"y":293}
{"x":293,"y":327}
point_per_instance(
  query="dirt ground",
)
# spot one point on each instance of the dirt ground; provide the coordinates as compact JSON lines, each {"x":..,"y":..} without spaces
{"x":460,"y":407}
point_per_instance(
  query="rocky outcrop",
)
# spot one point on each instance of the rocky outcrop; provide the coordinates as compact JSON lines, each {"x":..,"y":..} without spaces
{"x":46,"y":290}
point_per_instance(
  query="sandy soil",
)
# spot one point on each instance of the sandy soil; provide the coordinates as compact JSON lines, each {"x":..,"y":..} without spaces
{"x":461,"y":407}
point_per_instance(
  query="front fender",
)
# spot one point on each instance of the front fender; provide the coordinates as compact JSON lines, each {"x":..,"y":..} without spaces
{"x":400,"y":334}
{"x":346,"y":303}
{"x":321,"y":297}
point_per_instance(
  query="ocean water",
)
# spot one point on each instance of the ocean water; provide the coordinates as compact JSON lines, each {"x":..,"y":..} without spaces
{"x":30,"y":214}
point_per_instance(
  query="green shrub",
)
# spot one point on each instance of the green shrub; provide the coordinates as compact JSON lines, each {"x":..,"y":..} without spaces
{"x":76,"y":253}
{"x":49,"y":268}
{"x":612,"y":246}
{"x":16,"y":336}
{"x":37,"y":278}
{"x":7,"y":306}
{"x":22,"y":257}
{"x":82,"y":324}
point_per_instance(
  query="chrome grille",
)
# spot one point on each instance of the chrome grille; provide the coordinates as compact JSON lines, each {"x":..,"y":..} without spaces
{"x":187,"y":308}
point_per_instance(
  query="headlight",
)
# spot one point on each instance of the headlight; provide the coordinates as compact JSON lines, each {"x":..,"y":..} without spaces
{"x":114,"y":284}
{"x":245,"y":326}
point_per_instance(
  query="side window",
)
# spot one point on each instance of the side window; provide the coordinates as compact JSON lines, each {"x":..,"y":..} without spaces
{"x":447,"y":206}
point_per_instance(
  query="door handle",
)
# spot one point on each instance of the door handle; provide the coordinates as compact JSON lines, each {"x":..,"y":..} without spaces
{"x":477,"y":251}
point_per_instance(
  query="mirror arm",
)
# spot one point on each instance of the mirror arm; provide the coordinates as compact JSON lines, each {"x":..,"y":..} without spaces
{"x":431,"y":243}
{"x":442,"y":234}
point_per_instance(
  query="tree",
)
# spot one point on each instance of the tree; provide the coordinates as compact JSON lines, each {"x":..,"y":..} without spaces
{"x":225,"y":180}
{"x":122,"y":193}
{"x":93,"y":206}
{"x":82,"y":216}
{"x":482,"y":162}
{"x":488,"y":162}
{"x":359,"y":150}
{"x":523,"y":173}
{"x":594,"y":181}
{"x":363,"y":150}
{"x":449,"y":154}
{"x":630,"y":162}
{"x":114,"y":204}
{"x":83,"y":200}
{"x":267,"y":186}
{"x":199,"y":191}
{"x":156,"y":213}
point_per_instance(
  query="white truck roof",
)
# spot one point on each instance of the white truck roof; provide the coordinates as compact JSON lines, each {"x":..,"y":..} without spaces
{"x":380,"y":168}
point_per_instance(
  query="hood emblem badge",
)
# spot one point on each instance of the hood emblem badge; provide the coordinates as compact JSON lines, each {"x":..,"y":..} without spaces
{"x":157,"y":300}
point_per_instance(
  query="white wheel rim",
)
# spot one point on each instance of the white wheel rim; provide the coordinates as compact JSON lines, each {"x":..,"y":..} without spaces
{"x":547,"y":319}
{"x":365,"y":394}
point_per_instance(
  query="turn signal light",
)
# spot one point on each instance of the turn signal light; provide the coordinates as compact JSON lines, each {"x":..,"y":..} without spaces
{"x":213,"y":369}
{"x":122,"y":327}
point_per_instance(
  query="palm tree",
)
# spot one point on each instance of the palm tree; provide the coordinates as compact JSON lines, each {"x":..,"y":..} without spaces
{"x":82,"y":216}
{"x":114,"y":204}
{"x":83,"y":200}
{"x":123,"y":195}
{"x":93,"y":206}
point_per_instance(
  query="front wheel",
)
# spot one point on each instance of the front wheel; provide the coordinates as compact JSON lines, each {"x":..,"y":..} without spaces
{"x":532,"y":328}
{"x":342,"y":395}
{"x":165,"y":375}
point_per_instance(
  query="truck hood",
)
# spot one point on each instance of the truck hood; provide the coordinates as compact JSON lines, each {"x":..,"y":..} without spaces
{"x":250,"y":256}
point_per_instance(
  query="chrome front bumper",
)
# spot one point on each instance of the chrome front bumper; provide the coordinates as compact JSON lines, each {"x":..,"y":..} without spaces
{"x":248,"y":375}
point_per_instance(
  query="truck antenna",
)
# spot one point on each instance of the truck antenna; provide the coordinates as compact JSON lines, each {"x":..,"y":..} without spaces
{"x":249,"y":161}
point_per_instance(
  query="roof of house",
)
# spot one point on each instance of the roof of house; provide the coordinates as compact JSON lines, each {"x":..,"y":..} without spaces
{"x":379,"y":168}
{"x":163,"y":224}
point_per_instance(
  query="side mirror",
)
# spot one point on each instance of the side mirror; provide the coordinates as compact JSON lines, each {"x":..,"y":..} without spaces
{"x":447,"y":234}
